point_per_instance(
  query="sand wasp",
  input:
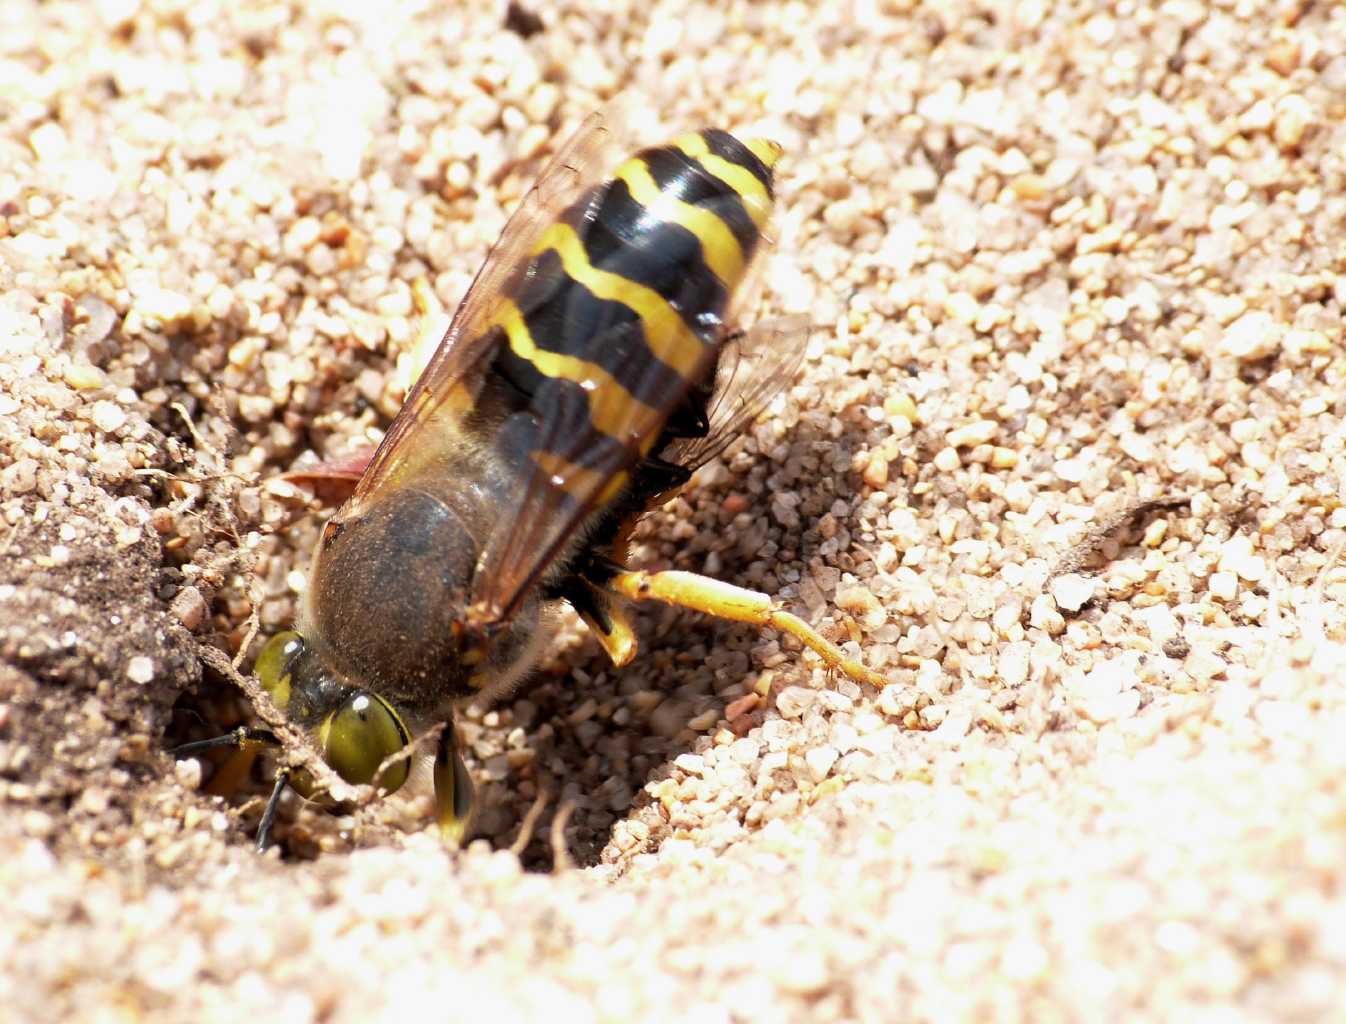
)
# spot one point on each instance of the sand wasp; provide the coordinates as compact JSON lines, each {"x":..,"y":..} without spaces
{"x":588,"y":371}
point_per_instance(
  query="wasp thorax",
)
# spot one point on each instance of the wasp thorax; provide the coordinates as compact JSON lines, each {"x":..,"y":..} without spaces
{"x":387,"y":596}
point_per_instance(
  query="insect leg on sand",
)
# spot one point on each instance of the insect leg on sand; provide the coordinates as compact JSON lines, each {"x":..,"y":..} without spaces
{"x":589,"y":371}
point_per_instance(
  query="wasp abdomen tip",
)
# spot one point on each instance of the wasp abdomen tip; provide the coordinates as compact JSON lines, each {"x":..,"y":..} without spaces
{"x":765,"y":150}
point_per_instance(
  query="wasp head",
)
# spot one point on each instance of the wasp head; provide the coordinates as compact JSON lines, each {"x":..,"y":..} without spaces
{"x":354,"y":729}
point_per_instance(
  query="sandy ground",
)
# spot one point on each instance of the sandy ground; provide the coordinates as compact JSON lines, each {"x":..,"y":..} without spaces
{"x":1068,"y":461}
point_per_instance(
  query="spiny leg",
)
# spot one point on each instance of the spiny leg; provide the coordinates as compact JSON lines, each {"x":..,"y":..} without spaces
{"x":455,"y":806}
{"x":245,"y":740}
{"x":714,"y":597}
{"x":607,"y":619}
{"x":236,"y":738}
{"x":269,"y":814}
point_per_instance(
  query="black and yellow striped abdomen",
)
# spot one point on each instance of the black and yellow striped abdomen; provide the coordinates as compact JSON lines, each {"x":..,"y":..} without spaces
{"x":623,"y":299}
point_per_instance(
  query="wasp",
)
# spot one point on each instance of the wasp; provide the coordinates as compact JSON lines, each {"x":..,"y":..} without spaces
{"x":586,"y":374}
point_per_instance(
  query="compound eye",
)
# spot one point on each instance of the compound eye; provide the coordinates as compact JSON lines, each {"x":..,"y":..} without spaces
{"x":358,"y":736}
{"x":274,"y":663}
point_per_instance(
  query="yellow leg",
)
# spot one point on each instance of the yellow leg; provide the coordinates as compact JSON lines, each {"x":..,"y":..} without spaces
{"x":713,"y":597}
{"x":455,"y":803}
{"x":606,"y":618}
{"x":618,"y":640}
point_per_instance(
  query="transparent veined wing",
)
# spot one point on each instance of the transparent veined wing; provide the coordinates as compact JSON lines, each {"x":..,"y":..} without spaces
{"x":755,"y":366}
{"x":446,"y":390}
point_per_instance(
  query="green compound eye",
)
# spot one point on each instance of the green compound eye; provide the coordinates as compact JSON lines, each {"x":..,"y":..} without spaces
{"x":357,"y":737}
{"x":273,"y":666}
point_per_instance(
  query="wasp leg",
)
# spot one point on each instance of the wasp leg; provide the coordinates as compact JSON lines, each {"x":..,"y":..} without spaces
{"x":689,"y":418}
{"x":713,"y":597}
{"x":237,"y":738}
{"x":333,"y":481}
{"x":269,"y":814}
{"x":246,"y":743}
{"x":454,"y":803}
{"x":607,"y":620}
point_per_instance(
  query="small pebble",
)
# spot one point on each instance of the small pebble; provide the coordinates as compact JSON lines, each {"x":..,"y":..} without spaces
{"x":793,"y":701}
{"x":1251,"y":337}
{"x":189,"y":607}
{"x":1224,"y":586}
{"x":947,"y":461}
{"x":876,"y":472}
{"x":1072,"y":591}
{"x":820,"y":761}
{"x":140,"y":669}
{"x":108,"y":416}
{"x":973,"y":434}
{"x":1294,"y":117}
{"x":1238,"y":557}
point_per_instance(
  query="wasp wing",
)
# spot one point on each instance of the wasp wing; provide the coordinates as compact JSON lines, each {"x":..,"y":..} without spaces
{"x":755,"y":366}
{"x":446,"y":390}
{"x":576,"y":468}
{"x":573,"y":468}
